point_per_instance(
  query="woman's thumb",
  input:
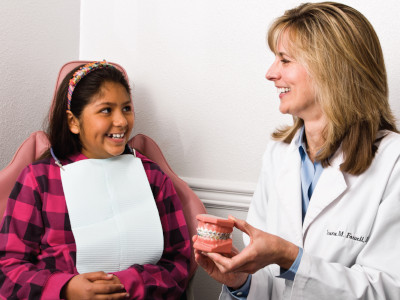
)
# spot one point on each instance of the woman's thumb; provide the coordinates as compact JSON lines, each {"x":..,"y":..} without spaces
{"x":242,"y":225}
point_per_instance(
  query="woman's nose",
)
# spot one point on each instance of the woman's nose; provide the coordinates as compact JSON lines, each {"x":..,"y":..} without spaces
{"x":273,"y":72}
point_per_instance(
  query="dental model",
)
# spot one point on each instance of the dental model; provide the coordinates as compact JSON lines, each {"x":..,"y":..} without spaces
{"x":214,"y":234}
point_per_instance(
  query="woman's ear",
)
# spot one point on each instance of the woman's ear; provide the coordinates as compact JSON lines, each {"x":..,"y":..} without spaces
{"x":73,"y":123}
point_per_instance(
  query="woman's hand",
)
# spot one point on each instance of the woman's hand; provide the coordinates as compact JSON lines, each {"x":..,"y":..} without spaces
{"x":233,"y":280}
{"x":264,"y":249}
{"x":94,"y":285}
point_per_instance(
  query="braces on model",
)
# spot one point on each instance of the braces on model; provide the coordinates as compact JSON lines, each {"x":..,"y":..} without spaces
{"x":213,"y":235}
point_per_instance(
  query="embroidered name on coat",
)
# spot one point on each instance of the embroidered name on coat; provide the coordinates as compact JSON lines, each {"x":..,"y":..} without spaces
{"x":348,"y":235}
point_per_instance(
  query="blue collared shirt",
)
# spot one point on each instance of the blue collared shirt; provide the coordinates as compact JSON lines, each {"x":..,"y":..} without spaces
{"x":309,"y":176}
{"x":310,"y":173}
{"x":243,"y":292}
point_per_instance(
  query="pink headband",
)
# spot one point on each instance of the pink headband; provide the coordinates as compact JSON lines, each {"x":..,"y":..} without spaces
{"x":82,"y":72}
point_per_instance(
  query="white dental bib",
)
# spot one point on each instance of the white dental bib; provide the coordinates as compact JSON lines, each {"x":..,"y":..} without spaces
{"x":114,"y":218}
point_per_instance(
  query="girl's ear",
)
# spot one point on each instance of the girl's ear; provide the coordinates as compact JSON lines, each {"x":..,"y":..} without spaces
{"x":73,"y":123}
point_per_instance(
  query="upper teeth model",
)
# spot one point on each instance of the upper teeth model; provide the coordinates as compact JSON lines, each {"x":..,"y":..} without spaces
{"x":212,"y":234}
{"x":283,"y":90}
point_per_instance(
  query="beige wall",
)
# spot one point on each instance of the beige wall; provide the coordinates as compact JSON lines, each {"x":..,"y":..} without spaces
{"x":198,"y":68}
{"x":36,"y":39}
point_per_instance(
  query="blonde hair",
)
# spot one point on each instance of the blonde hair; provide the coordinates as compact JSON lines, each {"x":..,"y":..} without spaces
{"x":342,"y":53}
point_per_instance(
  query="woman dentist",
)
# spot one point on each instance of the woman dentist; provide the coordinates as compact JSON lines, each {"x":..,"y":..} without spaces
{"x":324,"y":222}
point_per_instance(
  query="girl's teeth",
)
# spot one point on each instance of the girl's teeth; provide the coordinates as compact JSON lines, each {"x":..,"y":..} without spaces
{"x":283,"y":90}
{"x":117,"y":136}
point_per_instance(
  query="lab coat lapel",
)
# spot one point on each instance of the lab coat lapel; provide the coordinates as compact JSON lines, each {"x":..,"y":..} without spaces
{"x":289,"y":192}
{"x":330,"y":186}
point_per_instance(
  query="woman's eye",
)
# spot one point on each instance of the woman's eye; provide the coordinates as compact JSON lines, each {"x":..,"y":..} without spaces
{"x":285,"y":61}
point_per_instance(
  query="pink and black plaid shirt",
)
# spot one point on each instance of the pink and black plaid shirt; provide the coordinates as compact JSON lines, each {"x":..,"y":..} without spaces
{"x":38,"y":251}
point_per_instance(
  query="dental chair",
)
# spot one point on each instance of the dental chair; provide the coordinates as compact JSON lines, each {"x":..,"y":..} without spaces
{"x":37,"y":143}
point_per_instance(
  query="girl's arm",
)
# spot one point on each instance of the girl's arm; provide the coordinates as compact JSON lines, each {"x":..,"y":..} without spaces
{"x":22,"y":274}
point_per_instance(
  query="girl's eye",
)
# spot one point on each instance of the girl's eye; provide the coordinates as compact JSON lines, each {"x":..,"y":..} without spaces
{"x":285,"y":61}
{"x":127,"y":108}
{"x":106,"y":110}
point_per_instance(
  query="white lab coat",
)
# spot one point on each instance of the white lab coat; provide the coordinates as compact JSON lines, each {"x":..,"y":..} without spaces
{"x":351,"y":231}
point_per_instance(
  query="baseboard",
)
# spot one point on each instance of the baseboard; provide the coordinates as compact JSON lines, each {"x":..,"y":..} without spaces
{"x":221,"y":194}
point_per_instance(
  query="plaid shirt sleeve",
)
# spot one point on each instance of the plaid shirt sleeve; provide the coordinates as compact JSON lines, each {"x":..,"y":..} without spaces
{"x":22,"y":273}
{"x":168,"y":278}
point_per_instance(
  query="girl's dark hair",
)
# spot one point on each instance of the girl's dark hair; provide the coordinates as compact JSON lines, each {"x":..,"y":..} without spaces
{"x":62,"y":140}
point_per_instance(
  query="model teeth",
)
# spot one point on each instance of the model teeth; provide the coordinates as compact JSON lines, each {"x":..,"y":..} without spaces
{"x":212,"y":234}
{"x":117,"y":135}
{"x":283,"y":90}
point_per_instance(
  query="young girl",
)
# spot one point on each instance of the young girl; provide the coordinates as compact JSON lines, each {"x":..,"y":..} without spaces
{"x":93,"y":219}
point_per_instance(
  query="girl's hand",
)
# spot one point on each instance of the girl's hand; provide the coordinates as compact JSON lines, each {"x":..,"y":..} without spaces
{"x":264,"y":249}
{"x":233,"y":280}
{"x":113,"y":279}
{"x":94,"y":285}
